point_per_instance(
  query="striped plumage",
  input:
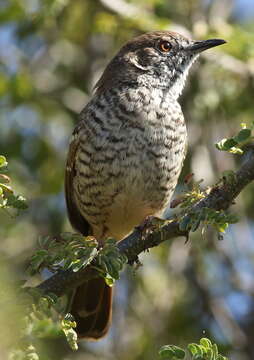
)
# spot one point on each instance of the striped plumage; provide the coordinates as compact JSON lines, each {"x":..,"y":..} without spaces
{"x":126,"y":153}
{"x":127,"y":162}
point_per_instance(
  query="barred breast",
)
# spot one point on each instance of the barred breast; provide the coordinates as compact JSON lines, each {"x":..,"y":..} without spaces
{"x":131,"y":146}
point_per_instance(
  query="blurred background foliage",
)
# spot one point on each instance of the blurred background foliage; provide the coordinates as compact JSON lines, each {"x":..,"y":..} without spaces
{"x":51,"y":54}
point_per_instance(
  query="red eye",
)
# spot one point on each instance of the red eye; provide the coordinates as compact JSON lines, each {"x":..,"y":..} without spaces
{"x":165,"y":46}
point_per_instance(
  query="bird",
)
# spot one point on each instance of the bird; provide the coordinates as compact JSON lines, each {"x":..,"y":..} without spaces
{"x":126,"y":153}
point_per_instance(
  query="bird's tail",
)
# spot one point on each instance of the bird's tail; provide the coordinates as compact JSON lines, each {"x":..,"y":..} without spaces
{"x":92,"y":309}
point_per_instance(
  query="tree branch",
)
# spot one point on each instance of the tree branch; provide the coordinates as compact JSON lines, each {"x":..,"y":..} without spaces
{"x":220,"y":197}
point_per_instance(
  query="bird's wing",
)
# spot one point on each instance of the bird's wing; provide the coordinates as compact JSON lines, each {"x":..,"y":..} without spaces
{"x":77,"y":221}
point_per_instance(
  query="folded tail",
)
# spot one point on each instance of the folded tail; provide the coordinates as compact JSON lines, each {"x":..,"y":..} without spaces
{"x":92,"y":309}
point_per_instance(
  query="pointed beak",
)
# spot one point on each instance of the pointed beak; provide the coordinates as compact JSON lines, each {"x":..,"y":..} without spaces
{"x":199,"y":46}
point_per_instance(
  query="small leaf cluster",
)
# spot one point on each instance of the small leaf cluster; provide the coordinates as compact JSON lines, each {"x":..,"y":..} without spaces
{"x":207,"y":216}
{"x":68,"y":251}
{"x":192,"y":196}
{"x":74,"y":252}
{"x":234,"y":144}
{"x":171,"y":352}
{"x":68,"y":326}
{"x":8,"y":200}
{"x":29,"y":353}
{"x":110,"y":261}
{"x":205,"y":350}
{"x":42,"y":321}
{"x":45,"y":318}
{"x":191,"y":219}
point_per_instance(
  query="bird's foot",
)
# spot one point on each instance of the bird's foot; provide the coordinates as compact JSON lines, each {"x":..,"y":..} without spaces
{"x":150,"y":224}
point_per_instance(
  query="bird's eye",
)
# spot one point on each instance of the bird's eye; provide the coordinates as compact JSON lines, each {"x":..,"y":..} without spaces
{"x":165,"y":46}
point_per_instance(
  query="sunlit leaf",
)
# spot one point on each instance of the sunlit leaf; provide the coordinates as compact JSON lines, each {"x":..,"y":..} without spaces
{"x":3,"y":161}
{"x":171,"y":352}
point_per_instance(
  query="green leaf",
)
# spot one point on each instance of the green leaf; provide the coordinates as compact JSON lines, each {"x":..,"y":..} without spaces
{"x":68,"y":324}
{"x":226,"y":144}
{"x":43,"y":241}
{"x":221,"y":227}
{"x":37,"y":260}
{"x":205,"y":350}
{"x":171,"y":352}
{"x":6,"y":188}
{"x":206,"y":343}
{"x":236,"y":150}
{"x":31,"y":353}
{"x":215,"y":350}
{"x":195,"y":225}
{"x":77,"y":265}
{"x":52,"y":298}
{"x":3,"y":161}
{"x":110,"y":241}
{"x":111,"y":261}
{"x":209,"y":355}
{"x":89,"y":255}
{"x":69,"y":317}
{"x":196,"y":349}
{"x":198,"y":357}
{"x":16,"y":201}
{"x":234,"y":144}
{"x":184,"y":223}
{"x":243,"y":135}
{"x":109,"y":280}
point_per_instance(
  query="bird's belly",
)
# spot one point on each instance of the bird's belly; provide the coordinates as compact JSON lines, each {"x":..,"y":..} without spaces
{"x":146,"y":192}
{"x":126,"y":197}
{"x":119,"y":190}
{"x":125,"y":213}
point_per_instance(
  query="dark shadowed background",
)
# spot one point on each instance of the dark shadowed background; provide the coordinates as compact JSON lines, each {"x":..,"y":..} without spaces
{"x":51,"y":54}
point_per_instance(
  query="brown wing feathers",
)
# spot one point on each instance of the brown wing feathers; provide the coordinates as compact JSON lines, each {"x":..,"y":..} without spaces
{"x":76,"y":219}
{"x":92,"y":302}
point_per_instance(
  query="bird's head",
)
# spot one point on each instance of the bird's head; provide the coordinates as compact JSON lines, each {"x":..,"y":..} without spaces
{"x":158,"y":59}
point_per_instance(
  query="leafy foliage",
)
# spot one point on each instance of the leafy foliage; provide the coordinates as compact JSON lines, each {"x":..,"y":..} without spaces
{"x":171,"y":352}
{"x":68,"y":326}
{"x":68,"y":251}
{"x":8,"y":200}
{"x":219,"y":220}
{"x":205,"y":350}
{"x":45,"y":318}
{"x":234,"y":144}
{"x":75,"y":252}
{"x":111,"y":261}
{"x":28,"y":353}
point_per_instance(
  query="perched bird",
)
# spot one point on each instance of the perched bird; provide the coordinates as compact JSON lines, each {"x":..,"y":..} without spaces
{"x":126,"y":152}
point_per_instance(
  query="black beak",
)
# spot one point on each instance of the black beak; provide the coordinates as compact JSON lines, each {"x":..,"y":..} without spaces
{"x":199,"y":46}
